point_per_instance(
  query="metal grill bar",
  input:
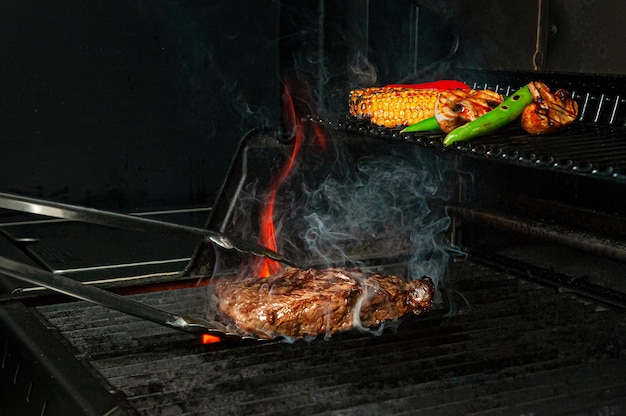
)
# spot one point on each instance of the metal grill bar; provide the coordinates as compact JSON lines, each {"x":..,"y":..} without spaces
{"x":594,"y":150}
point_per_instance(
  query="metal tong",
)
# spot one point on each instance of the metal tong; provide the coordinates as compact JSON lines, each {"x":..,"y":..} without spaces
{"x":114,"y":219}
{"x":93,"y":294}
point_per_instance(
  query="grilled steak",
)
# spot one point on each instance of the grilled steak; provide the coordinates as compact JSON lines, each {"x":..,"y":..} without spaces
{"x":301,"y":303}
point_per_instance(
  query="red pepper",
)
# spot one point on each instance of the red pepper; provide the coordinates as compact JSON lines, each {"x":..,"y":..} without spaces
{"x":441,"y":85}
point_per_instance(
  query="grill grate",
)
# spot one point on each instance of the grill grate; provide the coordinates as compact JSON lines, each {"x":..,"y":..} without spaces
{"x":518,"y":347}
{"x":595,"y":150}
{"x":592,"y":150}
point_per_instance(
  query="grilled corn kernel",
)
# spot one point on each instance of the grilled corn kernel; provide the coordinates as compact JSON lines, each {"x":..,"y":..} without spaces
{"x":393,"y":107}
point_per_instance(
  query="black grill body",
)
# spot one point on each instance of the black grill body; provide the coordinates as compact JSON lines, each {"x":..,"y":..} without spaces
{"x":531,"y":302}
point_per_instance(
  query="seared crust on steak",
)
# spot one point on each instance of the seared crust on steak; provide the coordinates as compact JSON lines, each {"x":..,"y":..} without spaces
{"x":300,"y":303}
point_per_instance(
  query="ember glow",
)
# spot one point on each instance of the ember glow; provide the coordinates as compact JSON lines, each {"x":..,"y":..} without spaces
{"x":265,"y":267}
{"x":209,"y":339}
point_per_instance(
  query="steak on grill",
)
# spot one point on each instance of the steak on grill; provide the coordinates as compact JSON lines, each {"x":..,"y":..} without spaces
{"x":300,"y":303}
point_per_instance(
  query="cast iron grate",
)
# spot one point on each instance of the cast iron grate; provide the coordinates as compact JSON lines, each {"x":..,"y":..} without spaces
{"x":584,"y":149}
{"x":514,"y":347}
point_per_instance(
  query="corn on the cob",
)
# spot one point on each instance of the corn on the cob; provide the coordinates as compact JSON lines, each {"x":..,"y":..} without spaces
{"x":392,"y":106}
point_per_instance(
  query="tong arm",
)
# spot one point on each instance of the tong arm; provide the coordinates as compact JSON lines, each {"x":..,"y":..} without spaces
{"x":114,"y":219}
{"x":93,"y":294}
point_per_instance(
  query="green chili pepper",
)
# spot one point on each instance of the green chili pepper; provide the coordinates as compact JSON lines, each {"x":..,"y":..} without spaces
{"x":428,"y":124}
{"x":503,"y":114}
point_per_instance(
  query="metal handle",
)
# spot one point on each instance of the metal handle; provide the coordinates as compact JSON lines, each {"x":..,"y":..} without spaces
{"x":73,"y":288}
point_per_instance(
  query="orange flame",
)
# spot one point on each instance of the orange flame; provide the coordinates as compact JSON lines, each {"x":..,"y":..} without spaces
{"x":266,"y":267}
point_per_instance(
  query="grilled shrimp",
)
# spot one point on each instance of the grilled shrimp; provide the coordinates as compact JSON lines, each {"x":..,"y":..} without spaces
{"x":457,"y":107}
{"x":548,"y":113}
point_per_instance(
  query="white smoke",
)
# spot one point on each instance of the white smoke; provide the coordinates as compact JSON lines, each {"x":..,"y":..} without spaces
{"x":387,"y":206}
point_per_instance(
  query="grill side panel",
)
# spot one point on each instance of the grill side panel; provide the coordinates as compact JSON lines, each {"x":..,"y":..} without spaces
{"x":39,"y":376}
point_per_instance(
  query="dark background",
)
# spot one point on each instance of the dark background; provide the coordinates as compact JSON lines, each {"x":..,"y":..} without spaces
{"x":131,"y":104}
{"x":141,"y":104}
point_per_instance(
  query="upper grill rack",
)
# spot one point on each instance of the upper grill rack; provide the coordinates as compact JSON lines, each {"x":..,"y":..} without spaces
{"x":595,"y":145}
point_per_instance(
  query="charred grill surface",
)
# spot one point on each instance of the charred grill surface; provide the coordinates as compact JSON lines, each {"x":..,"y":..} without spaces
{"x":299,"y":303}
{"x":507,"y":346}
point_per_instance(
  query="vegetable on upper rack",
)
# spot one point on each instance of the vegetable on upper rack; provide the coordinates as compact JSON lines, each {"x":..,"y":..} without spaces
{"x":428,"y":124}
{"x":393,"y":107}
{"x":462,"y":112}
{"x":503,"y":114}
{"x":548,"y":113}
{"x":541,"y":111}
{"x":397,"y":104}
{"x":455,"y":108}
